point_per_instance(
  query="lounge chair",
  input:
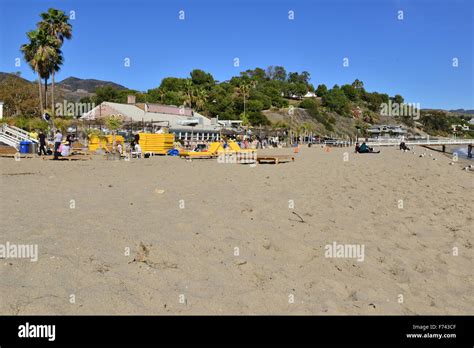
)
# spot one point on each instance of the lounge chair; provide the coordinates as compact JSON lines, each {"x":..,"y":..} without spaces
{"x":212,"y":151}
{"x":243,"y":155}
{"x":236,"y":148}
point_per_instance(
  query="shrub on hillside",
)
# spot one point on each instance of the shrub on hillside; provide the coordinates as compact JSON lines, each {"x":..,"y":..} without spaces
{"x":308,"y":104}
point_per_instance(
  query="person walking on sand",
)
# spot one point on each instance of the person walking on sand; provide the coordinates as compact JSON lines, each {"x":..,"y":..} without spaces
{"x":58,"y":137}
{"x":42,"y":143}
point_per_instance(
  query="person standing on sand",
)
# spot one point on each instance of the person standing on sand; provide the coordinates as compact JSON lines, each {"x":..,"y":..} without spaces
{"x":58,"y":137}
{"x":42,"y":143}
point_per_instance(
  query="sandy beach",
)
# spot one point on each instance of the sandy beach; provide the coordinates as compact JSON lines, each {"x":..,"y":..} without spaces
{"x":168,"y":236}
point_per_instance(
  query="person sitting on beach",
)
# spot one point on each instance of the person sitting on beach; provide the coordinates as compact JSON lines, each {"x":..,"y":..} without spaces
{"x":404,"y":147}
{"x":65,"y":150}
{"x":357,"y":147}
{"x":138,"y":150}
{"x":364,"y":148}
{"x":224,"y":143}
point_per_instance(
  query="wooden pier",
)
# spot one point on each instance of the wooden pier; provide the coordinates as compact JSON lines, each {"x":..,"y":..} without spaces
{"x":426,"y":143}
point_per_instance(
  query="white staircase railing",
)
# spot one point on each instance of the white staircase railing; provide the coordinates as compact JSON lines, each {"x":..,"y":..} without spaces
{"x":13,"y":136}
{"x":4,"y":138}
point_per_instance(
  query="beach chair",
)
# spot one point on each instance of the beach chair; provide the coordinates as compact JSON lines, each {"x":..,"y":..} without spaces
{"x":244,"y":156}
{"x":236,"y":148}
{"x":211,"y":152}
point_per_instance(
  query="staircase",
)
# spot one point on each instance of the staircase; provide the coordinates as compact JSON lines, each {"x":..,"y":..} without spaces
{"x":13,"y":136}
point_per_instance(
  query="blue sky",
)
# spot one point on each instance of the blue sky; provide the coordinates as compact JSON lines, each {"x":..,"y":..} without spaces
{"x":412,"y":57}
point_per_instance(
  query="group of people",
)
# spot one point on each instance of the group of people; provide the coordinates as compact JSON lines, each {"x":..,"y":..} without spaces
{"x":135,"y":147}
{"x":364,"y":148}
{"x":60,"y":148}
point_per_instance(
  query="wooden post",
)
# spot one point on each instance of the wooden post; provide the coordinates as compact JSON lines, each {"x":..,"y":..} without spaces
{"x":444,"y":148}
{"x":469,"y":151}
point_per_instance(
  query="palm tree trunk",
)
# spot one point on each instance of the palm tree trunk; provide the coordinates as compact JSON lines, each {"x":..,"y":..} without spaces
{"x":40,"y":95}
{"x":52,"y":94}
{"x":45,"y":93}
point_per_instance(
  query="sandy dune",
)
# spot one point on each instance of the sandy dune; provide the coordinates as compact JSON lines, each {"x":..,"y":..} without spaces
{"x":183,"y":241}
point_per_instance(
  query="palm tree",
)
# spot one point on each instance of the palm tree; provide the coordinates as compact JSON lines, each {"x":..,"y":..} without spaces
{"x":244,"y":90}
{"x":114,"y":123}
{"x":189,"y":92}
{"x":201,"y":98}
{"x":56,"y":24}
{"x":38,"y":53}
{"x":358,"y":84}
{"x":162,"y":93}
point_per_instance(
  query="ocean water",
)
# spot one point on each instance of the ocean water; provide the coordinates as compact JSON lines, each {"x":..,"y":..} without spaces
{"x":462,"y":152}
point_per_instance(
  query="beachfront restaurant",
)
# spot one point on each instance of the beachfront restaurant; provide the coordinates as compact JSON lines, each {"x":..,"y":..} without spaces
{"x":184,"y":123}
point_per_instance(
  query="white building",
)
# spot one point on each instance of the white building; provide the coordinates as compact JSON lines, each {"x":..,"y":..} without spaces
{"x":310,"y":95}
{"x":387,"y":131}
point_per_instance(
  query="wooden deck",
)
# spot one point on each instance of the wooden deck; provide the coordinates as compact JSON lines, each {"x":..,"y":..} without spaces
{"x":200,"y":156}
{"x":275,"y":159}
{"x":68,"y":158}
{"x":23,"y":155}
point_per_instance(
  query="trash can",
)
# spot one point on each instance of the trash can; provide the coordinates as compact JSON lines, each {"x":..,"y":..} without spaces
{"x":33,"y":148}
{"x":24,"y":146}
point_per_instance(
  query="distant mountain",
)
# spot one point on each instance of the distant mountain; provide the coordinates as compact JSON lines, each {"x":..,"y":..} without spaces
{"x":72,"y":88}
{"x":463,"y":111}
{"x":4,"y":75}
{"x":74,"y":84}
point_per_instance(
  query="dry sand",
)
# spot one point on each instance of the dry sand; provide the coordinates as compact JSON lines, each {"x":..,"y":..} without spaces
{"x":188,"y":255}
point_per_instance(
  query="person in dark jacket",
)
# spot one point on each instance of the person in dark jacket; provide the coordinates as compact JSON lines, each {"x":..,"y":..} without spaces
{"x":42,"y":143}
{"x":364,"y":148}
{"x":404,"y":146}
{"x":357,"y":147}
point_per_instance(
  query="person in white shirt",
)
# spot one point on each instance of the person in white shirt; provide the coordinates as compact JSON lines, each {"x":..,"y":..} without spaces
{"x":138,"y":149}
{"x":58,"y":137}
{"x":65,"y":150}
